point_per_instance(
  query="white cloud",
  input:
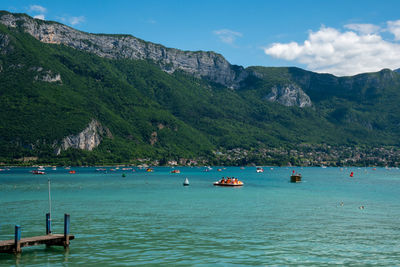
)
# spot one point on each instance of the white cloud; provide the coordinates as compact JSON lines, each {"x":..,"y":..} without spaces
{"x":394,"y":28}
{"x":342,"y":53}
{"x":363,"y":28}
{"x":76,"y":20}
{"x":37,"y":8}
{"x":40,"y":16}
{"x":71,"y":20}
{"x":227,"y":36}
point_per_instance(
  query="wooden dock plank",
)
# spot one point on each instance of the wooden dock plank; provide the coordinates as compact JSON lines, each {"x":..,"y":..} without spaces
{"x":54,"y":239}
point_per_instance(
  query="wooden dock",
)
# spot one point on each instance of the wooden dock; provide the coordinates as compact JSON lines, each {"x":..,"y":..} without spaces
{"x":9,"y":246}
{"x":15,"y":245}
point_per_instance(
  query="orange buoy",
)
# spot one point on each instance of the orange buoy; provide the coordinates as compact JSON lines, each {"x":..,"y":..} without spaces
{"x":351,"y":174}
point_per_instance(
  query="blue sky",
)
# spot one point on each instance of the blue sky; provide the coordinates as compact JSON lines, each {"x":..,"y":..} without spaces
{"x":339,"y":37}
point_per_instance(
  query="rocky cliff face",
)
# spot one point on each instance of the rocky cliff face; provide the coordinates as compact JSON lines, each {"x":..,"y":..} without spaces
{"x":88,"y":139}
{"x":200,"y":64}
{"x":5,"y":44}
{"x":46,"y":75}
{"x":289,"y":95}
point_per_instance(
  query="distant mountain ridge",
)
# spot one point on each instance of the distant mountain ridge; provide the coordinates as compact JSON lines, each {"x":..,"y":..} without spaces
{"x":201,"y":64}
{"x":69,"y":97}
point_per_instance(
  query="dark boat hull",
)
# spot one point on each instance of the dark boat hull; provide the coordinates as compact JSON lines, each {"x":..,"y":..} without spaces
{"x":295,"y":178}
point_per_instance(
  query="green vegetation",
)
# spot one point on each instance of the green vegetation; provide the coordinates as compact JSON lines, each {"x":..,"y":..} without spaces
{"x":159,"y":116}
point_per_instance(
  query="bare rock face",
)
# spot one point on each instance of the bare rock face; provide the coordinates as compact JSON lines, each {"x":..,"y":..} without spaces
{"x":5,"y":46}
{"x":88,"y":139}
{"x":48,"y":76}
{"x":289,"y":95}
{"x":201,"y":64}
{"x":153,"y":138}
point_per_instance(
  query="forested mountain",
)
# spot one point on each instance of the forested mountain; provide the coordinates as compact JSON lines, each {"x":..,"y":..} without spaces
{"x":69,"y":97}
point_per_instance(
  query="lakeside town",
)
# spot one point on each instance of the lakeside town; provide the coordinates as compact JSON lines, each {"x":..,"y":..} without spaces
{"x":304,"y":155}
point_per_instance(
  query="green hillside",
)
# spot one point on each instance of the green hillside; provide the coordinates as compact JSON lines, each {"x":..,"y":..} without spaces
{"x":160,"y":116}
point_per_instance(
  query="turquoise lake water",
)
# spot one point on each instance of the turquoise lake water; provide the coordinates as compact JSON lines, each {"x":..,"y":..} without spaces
{"x":151,"y":219}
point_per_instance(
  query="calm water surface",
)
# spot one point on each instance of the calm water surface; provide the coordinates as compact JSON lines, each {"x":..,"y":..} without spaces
{"x":151,"y":219}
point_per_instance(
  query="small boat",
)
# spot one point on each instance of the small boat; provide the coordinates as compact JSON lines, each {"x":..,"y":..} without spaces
{"x":259,"y":169}
{"x":351,"y":174}
{"x":295,"y":177}
{"x":41,"y":168}
{"x":186,"y":182}
{"x":175,"y":171}
{"x":54,"y":168}
{"x":149,"y":170}
{"x":72,"y":172}
{"x":38,"y":172}
{"x":228,"y":182}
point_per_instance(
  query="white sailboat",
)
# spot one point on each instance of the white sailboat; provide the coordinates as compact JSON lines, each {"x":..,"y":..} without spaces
{"x":186,"y":182}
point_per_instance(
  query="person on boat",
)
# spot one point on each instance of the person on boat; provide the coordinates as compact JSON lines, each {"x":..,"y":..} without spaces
{"x":229,"y":180}
{"x":236,"y":181}
{"x":222,"y":180}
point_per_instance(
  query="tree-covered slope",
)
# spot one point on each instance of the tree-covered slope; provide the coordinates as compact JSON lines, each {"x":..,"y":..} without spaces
{"x":35,"y":114}
{"x":49,"y":91}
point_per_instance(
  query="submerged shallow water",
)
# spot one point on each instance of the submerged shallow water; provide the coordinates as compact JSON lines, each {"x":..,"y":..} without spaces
{"x":150,"y":218}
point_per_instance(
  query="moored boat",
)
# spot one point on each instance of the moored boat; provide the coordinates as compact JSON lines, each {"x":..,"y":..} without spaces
{"x":175,"y":171}
{"x":38,"y":172}
{"x":228,"y":182}
{"x":259,"y":169}
{"x":295,"y":177}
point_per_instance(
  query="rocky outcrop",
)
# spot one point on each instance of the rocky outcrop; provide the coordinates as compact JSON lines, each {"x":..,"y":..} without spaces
{"x":88,"y":139}
{"x":5,"y":46}
{"x":153,"y":138}
{"x":48,"y":76}
{"x":201,"y":64}
{"x":289,"y":95}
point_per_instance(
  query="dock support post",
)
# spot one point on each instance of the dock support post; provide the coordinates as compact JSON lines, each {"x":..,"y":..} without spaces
{"x":48,"y":224}
{"x":17,"y":239}
{"x":66,"y":229}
